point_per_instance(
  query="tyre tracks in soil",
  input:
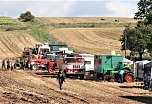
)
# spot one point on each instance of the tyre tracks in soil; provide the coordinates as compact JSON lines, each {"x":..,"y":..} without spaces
{"x":113,"y":92}
{"x":88,"y":97}
{"x":46,"y":91}
{"x":21,"y":86}
{"x":69,"y":96}
{"x":96,"y":97}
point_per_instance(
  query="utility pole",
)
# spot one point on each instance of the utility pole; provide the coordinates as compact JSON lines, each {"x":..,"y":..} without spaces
{"x":110,"y":47}
{"x":125,"y":45}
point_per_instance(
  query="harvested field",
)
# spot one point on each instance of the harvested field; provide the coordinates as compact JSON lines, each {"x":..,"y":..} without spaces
{"x":36,"y":87}
{"x":91,"y":40}
{"x":85,"y":19}
{"x":12,"y":43}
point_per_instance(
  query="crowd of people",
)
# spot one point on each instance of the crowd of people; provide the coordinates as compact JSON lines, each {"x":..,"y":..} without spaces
{"x":7,"y":64}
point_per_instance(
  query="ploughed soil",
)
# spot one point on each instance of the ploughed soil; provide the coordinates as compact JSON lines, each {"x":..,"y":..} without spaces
{"x":39,"y":87}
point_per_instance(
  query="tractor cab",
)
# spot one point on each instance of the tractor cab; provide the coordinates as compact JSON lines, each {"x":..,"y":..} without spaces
{"x":122,"y":65}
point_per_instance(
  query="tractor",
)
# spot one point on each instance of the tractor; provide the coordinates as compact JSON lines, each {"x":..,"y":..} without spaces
{"x":108,"y":66}
{"x":44,"y":62}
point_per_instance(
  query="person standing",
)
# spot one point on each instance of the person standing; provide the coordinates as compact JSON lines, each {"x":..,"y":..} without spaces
{"x":8,"y":64}
{"x":61,"y":78}
{"x":121,"y":76}
{"x":147,"y":79}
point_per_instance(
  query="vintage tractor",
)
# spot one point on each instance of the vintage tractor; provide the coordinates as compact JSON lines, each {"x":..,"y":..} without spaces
{"x":44,"y":62}
{"x":108,"y":66}
{"x":128,"y":72}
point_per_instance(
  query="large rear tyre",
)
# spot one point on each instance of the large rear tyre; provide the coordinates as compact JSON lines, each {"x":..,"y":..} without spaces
{"x":129,"y":77}
{"x":50,"y":70}
{"x":107,"y":78}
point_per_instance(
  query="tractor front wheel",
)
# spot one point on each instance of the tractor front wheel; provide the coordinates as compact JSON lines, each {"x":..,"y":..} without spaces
{"x":129,"y":77}
{"x":112,"y":79}
{"x":34,"y":67}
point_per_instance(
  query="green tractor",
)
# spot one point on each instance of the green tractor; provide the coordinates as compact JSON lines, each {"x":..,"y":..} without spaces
{"x":128,"y":72}
{"x":108,"y":66}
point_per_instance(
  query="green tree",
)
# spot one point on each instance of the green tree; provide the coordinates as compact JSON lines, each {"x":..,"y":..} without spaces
{"x":148,"y":19}
{"x":149,"y":44}
{"x":27,"y":16}
{"x":144,"y":11}
{"x":142,"y":7}
{"x":137,"y":39}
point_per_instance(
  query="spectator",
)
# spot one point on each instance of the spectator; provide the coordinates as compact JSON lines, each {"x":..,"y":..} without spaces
{"x":147,"y":79}
{"x":121,"y":75}
{"x":61,"y":78}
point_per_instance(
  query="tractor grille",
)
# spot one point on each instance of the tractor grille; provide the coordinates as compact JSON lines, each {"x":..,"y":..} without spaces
{"x":76,"y":66}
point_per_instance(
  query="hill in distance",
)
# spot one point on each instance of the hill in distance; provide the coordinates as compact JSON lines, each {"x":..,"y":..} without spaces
{"x":95,"y":35}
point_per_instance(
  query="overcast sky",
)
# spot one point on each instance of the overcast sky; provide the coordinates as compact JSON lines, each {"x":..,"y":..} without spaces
{"x":69,"y":8}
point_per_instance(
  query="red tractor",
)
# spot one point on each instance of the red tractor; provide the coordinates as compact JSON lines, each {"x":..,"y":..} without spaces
{"x":44,"y":62}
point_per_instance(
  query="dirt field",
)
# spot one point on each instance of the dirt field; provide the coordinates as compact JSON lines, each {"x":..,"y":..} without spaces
{"x":84,"y":19}
{"x":91,"y":40}
{"x":26,"y":87}
{"x":12,"y":43}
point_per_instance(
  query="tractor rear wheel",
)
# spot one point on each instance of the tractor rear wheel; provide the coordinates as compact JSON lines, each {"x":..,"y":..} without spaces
{"x":112,"y":79}
{"x":107,"y":78}
{"x":129,"y":77}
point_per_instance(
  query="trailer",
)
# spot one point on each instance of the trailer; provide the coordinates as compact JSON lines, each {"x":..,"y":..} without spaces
{"x":108,"y":66}
{"x":89,"y":65}
{"x":54,"y":46}
{"x":139,"y":69}
{"x":89,"y":58}
{"x":44,"y":49}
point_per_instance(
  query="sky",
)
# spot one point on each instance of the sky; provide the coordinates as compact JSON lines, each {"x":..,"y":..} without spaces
{"x":69,"y":8}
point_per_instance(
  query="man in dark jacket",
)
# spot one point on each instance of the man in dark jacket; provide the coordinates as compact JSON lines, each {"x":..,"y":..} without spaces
{"x":61,"y":78}
{"x":8,"y":64}
{"x":147,"y":78}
